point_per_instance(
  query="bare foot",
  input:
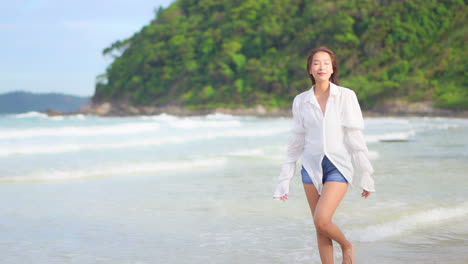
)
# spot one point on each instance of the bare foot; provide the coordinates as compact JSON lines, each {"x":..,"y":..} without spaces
{"x":348,"y":254}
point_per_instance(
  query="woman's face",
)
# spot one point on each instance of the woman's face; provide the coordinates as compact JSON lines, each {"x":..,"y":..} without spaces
{"x":321,"y":66}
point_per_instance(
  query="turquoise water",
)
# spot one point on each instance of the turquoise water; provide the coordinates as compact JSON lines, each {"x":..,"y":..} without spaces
{"x":164,"y":189}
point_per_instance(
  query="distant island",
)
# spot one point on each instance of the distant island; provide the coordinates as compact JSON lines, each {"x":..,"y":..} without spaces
{"x":399,"y":56}
{"x":21,"y":102}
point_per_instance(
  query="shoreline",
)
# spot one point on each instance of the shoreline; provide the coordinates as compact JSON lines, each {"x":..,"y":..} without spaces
{"x":390,"y":109}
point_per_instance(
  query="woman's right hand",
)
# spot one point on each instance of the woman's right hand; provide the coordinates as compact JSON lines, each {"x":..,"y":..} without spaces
{"x":365,"y":193}
{"x":284,"y":197}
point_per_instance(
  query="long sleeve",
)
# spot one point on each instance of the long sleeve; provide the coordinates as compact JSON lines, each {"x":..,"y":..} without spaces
{"x":294,"y":151}
{"x":356,"y":145}
{"x":353,"y":124}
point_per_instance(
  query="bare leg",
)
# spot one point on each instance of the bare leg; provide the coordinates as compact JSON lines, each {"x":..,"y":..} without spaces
{"x":332,"y":195}
{"x":324,"y":242}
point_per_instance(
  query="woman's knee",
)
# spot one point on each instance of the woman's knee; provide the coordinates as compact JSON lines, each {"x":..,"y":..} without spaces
{"x":321,"y":224}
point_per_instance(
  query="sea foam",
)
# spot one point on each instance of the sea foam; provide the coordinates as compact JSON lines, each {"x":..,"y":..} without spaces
{"x":191,"y":123}
{"x":407,"y":223}
{"x":160,"y":117}
{"x":390,"y":136}
{"x":30,"y":114}
{"x":126,"y":128}
{"x":221,"y":116}
{"x":125,"y":169}
{"x":145,"y":142}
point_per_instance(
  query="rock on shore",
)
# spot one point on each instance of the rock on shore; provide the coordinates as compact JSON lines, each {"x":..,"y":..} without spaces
{"x":112,"y":109}
{"x":390,"y":108}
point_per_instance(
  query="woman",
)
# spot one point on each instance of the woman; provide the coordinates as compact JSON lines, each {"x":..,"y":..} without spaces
{"x":327,"y":132}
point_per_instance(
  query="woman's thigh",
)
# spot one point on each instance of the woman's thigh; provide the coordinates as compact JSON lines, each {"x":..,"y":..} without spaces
{"x":312,"y":196}
{"x":332,"y":194}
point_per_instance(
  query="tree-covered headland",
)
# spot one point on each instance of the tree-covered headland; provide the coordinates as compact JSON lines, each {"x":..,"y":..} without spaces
{"x":241,"y":53}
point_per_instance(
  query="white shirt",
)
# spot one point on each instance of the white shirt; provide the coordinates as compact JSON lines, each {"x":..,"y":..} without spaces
{"x":337,"y":133}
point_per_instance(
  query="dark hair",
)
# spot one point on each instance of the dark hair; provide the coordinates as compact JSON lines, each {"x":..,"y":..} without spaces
{"x":334,"y":76}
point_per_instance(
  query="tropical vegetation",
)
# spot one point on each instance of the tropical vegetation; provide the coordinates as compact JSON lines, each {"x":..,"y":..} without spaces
{"x":241,"y":53}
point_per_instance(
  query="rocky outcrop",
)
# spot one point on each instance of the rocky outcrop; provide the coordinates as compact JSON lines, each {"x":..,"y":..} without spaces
{"x":390,"y":108}
{"x":404,"y":108}
{"x":122,"y":109}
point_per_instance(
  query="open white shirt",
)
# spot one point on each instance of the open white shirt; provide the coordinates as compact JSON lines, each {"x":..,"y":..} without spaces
{"x":337,"y":133}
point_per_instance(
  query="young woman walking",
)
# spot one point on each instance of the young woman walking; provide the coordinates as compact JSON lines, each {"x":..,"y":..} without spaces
{"x":327,"y":133}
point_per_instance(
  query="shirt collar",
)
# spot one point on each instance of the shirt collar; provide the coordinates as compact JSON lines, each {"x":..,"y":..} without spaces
{"x":311,"y":98}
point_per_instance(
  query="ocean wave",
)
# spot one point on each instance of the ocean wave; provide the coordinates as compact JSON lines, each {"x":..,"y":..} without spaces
{"x":120,"y":169}
{"x":247,"y":152}
{"x":418,"y":220}
{"x":146,"y":142}
{"x":444,"y":126}
{"x":386,"y":120}
{"x":126,"y":128}
{"x":56,"y":118}
{"x":220,"y":116}
{"x":30,"y":114}
{"x":160,"y":117}
{"x":34,"y":114}
{"x":196,"y":122}
{"x":390,"y":136}
{"x":190,"y":123}
{"x":78,"y":116}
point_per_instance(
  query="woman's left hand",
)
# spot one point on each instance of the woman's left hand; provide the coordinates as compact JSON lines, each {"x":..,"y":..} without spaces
{"x":365,"y":193}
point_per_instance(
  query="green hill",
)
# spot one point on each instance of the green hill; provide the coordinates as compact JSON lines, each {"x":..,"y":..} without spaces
{"x":224,"y":53}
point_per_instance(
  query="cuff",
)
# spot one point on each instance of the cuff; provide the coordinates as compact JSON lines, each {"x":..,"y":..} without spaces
{"x":367,"y":183}
{"x":281,"y":189}
{"x":287,"y":172}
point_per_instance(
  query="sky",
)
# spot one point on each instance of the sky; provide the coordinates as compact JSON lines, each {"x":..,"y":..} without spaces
{"x":56,"y":45}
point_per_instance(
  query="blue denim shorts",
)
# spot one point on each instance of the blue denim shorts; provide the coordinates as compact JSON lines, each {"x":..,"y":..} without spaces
{"x":330,"y":173}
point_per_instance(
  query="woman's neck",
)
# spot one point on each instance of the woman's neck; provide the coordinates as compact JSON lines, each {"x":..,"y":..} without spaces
{"x":321,"y":87}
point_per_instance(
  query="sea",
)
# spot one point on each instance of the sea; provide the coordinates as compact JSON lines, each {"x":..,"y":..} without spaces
{"x":167,"y":189}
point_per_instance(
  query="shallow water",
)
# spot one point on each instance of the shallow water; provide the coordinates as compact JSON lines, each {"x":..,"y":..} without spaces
{"x":163,"y":189}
